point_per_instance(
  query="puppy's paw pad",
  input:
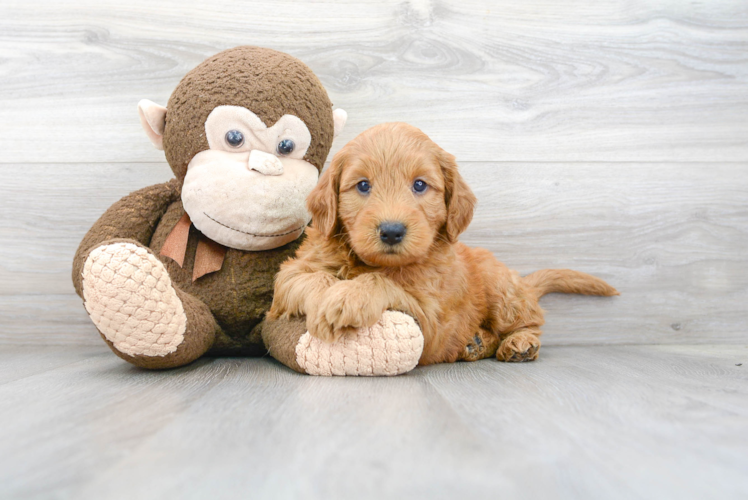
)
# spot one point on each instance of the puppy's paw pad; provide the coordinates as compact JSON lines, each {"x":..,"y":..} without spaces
{"x":482,"y":345}
{"x":391,"y":347}
{"x":129,"y":296}
{"x":518,"y":348}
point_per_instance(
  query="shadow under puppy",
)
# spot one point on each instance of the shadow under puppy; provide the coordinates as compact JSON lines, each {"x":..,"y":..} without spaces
{"x":386,"y":218}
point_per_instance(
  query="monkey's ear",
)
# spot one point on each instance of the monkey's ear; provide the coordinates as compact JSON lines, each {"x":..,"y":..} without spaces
{"x":458,"y":196}
{"x":339,"y":117}
{"x":322,"y":202}
{"x":153,"y":120}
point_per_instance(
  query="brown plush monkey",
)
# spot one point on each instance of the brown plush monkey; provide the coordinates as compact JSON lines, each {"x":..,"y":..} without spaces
{"x":184,"y":268}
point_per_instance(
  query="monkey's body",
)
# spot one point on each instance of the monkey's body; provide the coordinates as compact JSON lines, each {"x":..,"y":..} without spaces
{"x":246,"y":134}
{"x":236,"y":297}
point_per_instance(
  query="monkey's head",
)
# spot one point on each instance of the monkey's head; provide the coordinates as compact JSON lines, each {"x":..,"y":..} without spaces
{"x":247,"y":133}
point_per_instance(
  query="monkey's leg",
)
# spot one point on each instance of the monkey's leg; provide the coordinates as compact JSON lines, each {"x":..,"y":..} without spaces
{"x":132,"y":218}
{"x":139,"y":313}
{"x":483,"y":345}
{"x":390,"y":347}
{"x":522,"y":344}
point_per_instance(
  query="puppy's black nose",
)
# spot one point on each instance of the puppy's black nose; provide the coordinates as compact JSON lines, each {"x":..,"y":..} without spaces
{"x":391,"y":233}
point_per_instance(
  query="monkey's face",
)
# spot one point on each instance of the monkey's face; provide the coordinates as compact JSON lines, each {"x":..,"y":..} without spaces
{"x":248,"y":190}
{"x":247,"y":132}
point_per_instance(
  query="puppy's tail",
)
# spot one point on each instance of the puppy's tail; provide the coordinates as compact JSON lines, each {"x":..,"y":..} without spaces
{"x":567,"y":281}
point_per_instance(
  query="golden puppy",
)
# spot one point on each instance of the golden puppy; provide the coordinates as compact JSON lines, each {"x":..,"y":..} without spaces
{"x":386,"y":218}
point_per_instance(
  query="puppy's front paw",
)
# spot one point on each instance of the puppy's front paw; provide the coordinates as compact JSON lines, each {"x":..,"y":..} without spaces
{"x":349,"y":305}
{"x":320,"y":328}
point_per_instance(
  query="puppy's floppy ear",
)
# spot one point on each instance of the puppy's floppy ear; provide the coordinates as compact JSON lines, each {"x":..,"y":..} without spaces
{"x":322,"y":202}
{"x":458,"y":196}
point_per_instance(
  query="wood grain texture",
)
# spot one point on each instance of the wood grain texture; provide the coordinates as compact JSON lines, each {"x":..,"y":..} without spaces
{"x":624,"y":422}
{"x":670,"y":237}
{"x":656,"y":80}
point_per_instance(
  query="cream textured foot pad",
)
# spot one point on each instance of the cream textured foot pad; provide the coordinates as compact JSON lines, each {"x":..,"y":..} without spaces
{"x":391,"y":347}
{"x":128,"y":294}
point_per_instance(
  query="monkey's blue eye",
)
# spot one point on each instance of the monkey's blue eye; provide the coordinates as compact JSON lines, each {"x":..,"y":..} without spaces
{"x":286,"y":147}
{"x":363,"y":187}
{"x":419,"y":186}
{"x":234,"y":138}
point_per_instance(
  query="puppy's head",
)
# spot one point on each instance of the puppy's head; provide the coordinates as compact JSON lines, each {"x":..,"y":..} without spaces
{"x":394,"y":193}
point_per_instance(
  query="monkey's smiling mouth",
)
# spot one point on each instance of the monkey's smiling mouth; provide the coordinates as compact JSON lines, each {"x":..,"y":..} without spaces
{"x":253,"y":234}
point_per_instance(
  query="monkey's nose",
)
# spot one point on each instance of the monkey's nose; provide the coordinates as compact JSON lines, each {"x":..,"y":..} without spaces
{"x":265,"y":163}
{"x":391,"y":233}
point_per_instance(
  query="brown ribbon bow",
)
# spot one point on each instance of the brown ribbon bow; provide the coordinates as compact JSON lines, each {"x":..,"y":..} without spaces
{"x":208,"y":257}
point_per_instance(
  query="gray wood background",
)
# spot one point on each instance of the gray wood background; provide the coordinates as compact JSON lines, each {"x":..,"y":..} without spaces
{"x":637,"y":422}
{"x":610,"y":137}
{"x":606,"y":136}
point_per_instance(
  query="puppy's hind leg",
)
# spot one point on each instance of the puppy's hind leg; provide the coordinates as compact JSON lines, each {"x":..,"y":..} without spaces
{"x":520,"y":345}
{"x":482,"y":345}
{"x":518,"y":318}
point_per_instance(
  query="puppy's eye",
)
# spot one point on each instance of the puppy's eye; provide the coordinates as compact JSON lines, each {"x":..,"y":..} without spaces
{"x":234,"y":138}
{"x":419,"y":186}
{"x":363,"y":187}
{"x":286,"y":147}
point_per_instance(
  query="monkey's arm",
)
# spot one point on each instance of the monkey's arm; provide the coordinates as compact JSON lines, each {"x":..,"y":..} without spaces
{"x":134,"y":217}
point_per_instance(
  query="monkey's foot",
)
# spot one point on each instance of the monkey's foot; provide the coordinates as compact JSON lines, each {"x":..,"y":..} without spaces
{"x":521,"y":345}
{"x":130,"y":298}
{"x":391,"y":347}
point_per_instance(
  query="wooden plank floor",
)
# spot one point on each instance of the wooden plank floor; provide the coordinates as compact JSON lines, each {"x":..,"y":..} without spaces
{"x":607,"y":136}
{"x":583,"y":422}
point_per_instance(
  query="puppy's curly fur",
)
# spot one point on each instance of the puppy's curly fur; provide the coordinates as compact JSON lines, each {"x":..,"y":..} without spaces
{"x":348,"y":272}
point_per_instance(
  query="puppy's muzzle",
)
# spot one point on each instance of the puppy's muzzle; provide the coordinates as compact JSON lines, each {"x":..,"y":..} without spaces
{"x":392,"y":233}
